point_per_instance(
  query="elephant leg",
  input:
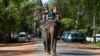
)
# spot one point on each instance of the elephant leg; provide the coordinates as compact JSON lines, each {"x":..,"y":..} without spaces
{"x":45,"y":40}
{"x":47,"y":43}
{"x":52,"y":38}
{"x":52,"y":41}
{"x":39,"y":34}
{"x":44,"y":45}
{"x":48,"y":46}
{"x":54,"y":46}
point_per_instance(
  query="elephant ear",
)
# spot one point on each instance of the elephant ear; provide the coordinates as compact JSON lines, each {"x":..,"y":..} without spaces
{"x":58,"y":23}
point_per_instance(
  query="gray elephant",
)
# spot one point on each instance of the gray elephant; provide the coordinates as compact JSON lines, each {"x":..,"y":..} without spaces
{"x":49,"y":34}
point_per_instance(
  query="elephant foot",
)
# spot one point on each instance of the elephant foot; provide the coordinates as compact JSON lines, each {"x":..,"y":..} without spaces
{"x":47,"y":53}
{"x":53,"y":54}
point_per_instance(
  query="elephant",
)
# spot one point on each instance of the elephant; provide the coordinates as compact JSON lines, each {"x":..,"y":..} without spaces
{"x":49,"y":34}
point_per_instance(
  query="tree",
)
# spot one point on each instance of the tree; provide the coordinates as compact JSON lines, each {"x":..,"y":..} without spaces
{"x":16,"y":15}
{"x":67,"y":23}
{"x":85,"y":12}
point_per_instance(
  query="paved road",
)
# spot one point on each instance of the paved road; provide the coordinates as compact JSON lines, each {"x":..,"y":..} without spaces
{"x":62,"y":50}
{"x":36,"y":49}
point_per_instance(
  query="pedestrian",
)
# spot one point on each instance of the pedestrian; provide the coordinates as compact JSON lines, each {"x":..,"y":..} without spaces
{"x":45,"y":14}
{"x":57,"y":14}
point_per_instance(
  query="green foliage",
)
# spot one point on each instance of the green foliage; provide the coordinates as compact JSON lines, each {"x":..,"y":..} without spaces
{"x":98,"y":44}
{"x":67,"y":23}
{"x":81,"y":10}
{"x":16,"y":16}
{"x":88,"y":30}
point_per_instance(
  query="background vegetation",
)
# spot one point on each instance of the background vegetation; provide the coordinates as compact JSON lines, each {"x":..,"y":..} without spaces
{"x":85,"y":14}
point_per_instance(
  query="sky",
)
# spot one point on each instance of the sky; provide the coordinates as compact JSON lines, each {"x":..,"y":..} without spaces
{"x":44,"y":1}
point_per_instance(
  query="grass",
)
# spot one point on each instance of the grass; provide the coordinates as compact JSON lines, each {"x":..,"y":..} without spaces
{"x":97,"y":44}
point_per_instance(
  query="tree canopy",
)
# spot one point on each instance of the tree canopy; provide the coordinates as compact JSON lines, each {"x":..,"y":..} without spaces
{"x":83,"y":11}
{"x":86,"y":13}
{"x":16,"y":15}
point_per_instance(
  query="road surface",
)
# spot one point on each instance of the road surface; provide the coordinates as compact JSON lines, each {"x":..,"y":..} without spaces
{"x":36,"y":49}
{"x":62,"y":50}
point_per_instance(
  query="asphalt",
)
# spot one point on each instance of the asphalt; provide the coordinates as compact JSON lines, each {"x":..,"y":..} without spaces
{"x":62,"y":50}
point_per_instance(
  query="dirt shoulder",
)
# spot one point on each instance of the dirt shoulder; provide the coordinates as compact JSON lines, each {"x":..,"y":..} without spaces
{"x":86,"y":47}
{"x":17,"y":49}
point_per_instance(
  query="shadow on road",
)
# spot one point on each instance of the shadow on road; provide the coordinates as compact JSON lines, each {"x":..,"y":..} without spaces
{"x":75,"y":52}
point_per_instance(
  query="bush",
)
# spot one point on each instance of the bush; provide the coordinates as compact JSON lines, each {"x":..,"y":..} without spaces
{"x":67,"y":23}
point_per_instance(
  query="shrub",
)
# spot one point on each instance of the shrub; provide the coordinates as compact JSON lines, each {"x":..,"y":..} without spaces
{"x":67,"y":23}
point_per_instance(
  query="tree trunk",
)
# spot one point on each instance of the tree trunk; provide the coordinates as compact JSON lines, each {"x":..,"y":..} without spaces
{"x":94,"y":30}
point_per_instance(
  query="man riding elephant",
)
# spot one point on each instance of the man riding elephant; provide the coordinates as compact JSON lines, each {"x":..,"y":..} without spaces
{"x":49,"y":33}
